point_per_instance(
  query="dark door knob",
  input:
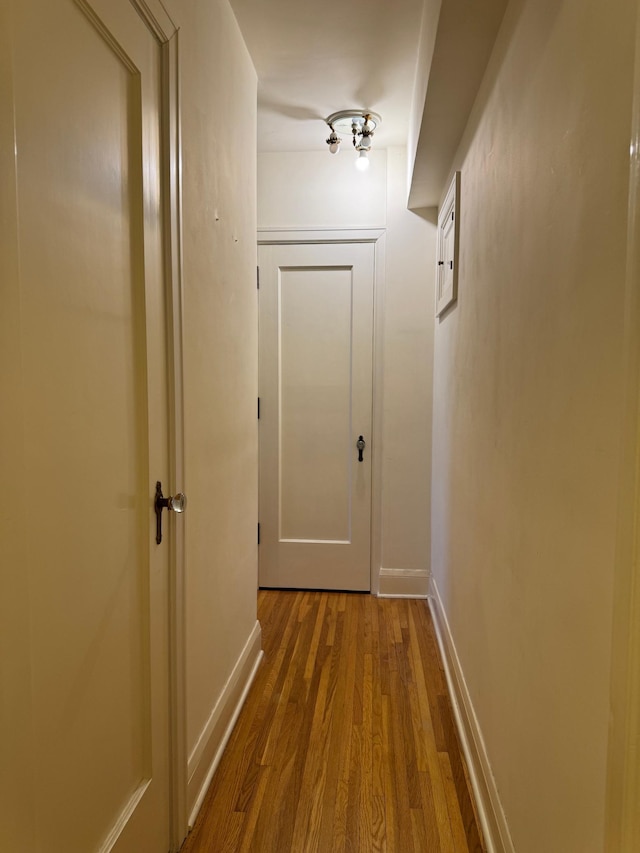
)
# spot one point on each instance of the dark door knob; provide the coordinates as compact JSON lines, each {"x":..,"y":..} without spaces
{"x":360,"y":444}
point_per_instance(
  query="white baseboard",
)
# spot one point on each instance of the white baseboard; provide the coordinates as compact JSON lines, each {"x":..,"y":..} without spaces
{"x":490,"y":811}
{"x":207,"y":752}
{"x":403,"y":583}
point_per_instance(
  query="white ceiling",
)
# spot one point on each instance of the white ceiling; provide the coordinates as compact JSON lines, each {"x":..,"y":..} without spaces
{"x":315,"y":58}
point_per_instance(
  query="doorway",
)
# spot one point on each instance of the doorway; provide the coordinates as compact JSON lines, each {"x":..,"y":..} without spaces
{"x":316,"y":414}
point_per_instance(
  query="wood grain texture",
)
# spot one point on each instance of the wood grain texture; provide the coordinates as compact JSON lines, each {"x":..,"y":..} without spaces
{"x":347,"y":740}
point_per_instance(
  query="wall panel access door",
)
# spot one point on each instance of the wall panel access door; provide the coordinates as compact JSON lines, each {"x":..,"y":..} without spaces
{"x":316,"y":351}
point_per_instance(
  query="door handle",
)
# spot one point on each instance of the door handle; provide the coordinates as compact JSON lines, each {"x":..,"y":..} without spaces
{"x":360,"y":444}
{"x":175,"y":503}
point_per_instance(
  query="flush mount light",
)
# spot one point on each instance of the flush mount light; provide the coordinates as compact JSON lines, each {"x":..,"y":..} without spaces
{"x":361,"y":124}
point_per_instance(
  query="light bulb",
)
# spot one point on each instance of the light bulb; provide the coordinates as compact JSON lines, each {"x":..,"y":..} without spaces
{"x":333,"y":142}
{"x":362,"y":161}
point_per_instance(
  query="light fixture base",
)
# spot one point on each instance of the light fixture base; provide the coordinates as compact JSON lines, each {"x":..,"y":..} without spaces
{"x":344,"y":120}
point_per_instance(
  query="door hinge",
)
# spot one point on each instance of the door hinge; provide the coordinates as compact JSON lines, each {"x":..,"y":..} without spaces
{"x":258,"y":533}
{"x":258,"y":277}
{"x":258,"y":408}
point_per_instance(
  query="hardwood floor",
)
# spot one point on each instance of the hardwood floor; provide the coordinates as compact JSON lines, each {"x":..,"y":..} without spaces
{"x":346,"y":741}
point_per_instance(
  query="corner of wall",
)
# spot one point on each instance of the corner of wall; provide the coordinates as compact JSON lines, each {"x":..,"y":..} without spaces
{"x":403,"y":583}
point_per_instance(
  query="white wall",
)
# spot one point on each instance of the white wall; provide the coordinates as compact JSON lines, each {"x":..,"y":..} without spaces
{"x":220,"y":357}
{"x":426,"y":45}
{"x":407,"y":378}
{"x":527,"y":411}
{"x":316,"y":190}
{"x":319,"y":190}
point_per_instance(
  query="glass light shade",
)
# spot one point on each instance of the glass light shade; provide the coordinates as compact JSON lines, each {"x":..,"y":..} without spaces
{"x":362,"y":161}
{"x":334,"y":147}
{"x":365,"y":142}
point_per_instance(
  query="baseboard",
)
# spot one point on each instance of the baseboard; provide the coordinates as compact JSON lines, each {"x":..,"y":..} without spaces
{"x":206,"y":754}
{"x":490,"y":811}
{"x":403,"y":583}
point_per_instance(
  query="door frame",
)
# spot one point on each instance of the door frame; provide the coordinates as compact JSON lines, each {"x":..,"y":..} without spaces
{"x":166,"y":32}
{"x":293,"y":236}
{"x":622,"y":827}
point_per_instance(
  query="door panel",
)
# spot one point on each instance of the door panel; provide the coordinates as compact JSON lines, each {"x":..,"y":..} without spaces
{"x":315,"y":404}
{"x":316,"y":326}
{"x":93,"y":422}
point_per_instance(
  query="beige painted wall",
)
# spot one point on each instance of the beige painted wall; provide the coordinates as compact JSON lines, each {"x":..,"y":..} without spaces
{"x":426,"y":44}
{"x":304,"y":189}
{"x":407,"y":377}
{"x":316,"y":190}
{"x":220,"y":348}
{"x":527,"y":411}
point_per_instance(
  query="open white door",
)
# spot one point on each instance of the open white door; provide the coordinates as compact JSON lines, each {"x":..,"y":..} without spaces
{"x":316,"y":350}
{"x":85,"y":668}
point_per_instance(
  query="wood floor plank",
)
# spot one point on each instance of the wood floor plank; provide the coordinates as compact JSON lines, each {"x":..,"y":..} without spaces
{"x":353,"y":830}
{"x":430,"y":746}
{"x":390,"y":796}
{"x":231,"y":838}
{"x":315,"y":640}
{"x":346,"y":743}
{"x":342,"y":743}
{"x":430,"y":817}
{"x":377,"y":733}
{"x":400,"y":773}
{"x":309,"y":815}
{"x":248,"y":838}
{"x":272,"y":732}
{"x":455,"y":817}
{"x":332,"y":608}
{"x":340,"y":694}
{"x":395,"y":621}
{"x":378,"y":826}
{"x":366,"y":757}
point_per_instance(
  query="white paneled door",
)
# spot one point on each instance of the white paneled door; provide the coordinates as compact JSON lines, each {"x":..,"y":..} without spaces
{"x":316,"y":350}
{"x":84,"y":388}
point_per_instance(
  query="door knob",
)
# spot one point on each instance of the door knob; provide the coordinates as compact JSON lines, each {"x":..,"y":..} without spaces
{"x":175,"y":503}
{"x":360,"y":444}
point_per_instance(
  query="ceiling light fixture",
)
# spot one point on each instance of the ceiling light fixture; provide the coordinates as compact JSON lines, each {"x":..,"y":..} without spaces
{"x":361,"y":124}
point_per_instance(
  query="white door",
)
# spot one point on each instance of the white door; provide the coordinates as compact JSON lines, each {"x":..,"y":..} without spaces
{"x":83,"y":376}
{"x":316,"y":350}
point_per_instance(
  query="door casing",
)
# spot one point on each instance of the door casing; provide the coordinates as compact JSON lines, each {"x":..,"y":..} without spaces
{"x":166,"y":31}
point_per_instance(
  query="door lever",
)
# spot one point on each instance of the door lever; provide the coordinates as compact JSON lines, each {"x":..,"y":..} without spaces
{"x":177,"y":503}
{"x":360,"y":444}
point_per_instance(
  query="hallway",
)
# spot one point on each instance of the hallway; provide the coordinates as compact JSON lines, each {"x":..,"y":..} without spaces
{"x":147,"y":148}
{"x":346,"y":741}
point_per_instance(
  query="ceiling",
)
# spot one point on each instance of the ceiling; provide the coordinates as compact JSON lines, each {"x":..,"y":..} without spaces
{"x":314,"y":59}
